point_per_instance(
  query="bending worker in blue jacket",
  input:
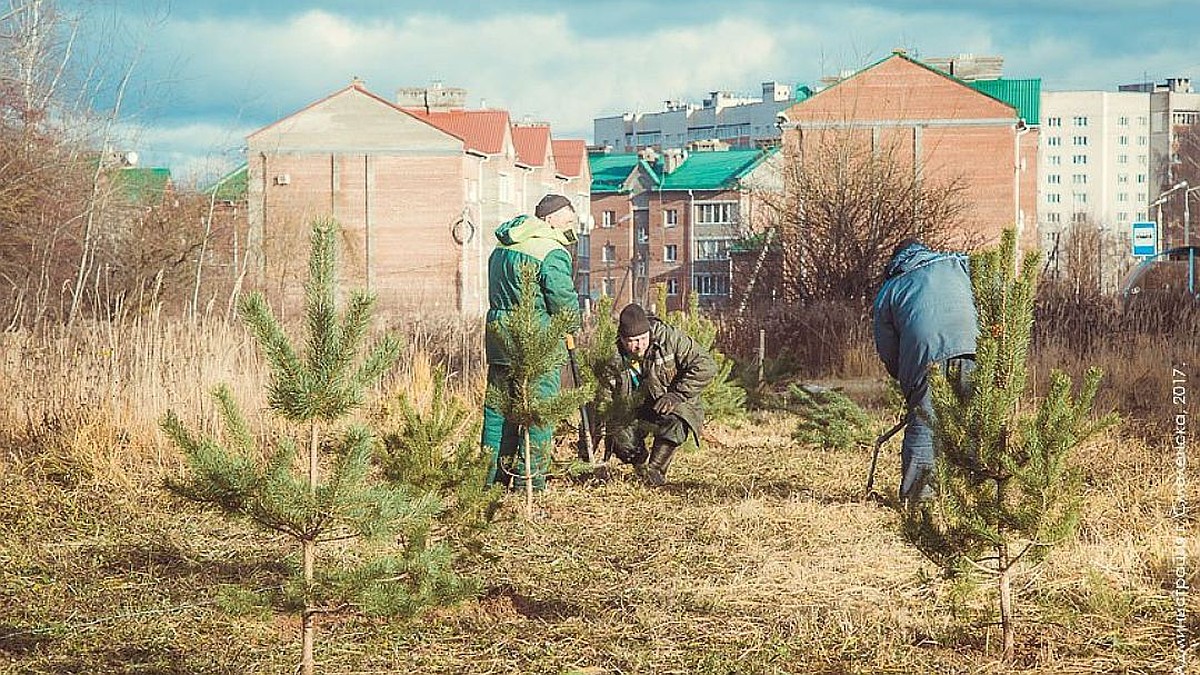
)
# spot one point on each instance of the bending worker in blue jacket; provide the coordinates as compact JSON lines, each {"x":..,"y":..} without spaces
{"x":924,"y":314}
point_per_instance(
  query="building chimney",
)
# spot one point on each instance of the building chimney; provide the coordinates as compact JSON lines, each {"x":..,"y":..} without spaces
{"x":673,"y":158}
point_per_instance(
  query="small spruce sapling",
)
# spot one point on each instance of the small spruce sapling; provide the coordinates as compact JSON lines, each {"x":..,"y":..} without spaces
{"x":538,"y":352}
{"x":316,"y":388}
{"x":597,"y":357}
{"x":724,"y":398}
{"x":431,"y":442}
{"x":1007,"y":489}
{"x":829,"y":418}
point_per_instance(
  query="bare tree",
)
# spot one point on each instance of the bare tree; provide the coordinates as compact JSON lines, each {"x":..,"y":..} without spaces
{"x":844,"y":206}
{"x":67,"y":229}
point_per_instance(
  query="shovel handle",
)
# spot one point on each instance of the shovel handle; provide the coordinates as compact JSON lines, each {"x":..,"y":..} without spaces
{"x":883,"y":438}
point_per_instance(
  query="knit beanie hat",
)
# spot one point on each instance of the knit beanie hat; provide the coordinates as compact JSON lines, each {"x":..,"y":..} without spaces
{"x":550,"y":204}
{"x":633,"y":321}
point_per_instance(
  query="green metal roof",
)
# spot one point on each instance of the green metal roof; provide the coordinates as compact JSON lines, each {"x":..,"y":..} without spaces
{"x":713,"y":170}
{"x":609,"y":172}
{"x":232,"y":186}
{"x":142,"y":187}
{"x":1024,"y":94}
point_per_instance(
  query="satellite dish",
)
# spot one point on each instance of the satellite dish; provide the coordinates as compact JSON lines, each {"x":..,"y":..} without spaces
{"x":131,"y":158}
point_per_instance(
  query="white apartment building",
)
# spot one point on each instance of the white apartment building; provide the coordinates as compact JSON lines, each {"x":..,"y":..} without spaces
{"x":1095,"y":170}
{"x":740,"y":121}
{"x":1173,"y":105}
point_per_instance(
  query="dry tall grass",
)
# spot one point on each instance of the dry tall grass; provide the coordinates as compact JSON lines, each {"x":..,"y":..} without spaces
{"x":85,"y":403}
{"x":758,"y":557}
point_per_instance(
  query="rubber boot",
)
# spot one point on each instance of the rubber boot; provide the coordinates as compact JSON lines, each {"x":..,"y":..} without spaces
{"x":660,"y":459}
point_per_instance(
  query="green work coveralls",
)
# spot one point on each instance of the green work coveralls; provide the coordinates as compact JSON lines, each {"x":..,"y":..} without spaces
{"x":524,"y":240}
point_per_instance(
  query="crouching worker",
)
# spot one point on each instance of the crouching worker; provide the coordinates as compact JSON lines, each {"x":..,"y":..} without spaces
{"x":661,"y":371}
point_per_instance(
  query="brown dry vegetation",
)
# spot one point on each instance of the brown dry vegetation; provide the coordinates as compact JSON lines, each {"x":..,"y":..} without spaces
{"x":759,"y":557}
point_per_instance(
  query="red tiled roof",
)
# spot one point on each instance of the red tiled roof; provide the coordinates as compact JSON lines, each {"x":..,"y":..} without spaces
{"x":532,"y":143}
{"x":569,"y":156}
{"x":481,"y":130}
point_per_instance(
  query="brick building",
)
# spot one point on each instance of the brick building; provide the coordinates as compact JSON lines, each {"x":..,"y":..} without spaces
{"x":418,"y":186}
{"x":672,"y":221}
{"x":983,"y":133}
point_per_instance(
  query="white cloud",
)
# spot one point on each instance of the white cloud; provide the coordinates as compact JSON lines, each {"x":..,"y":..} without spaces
{"x":196,"y":152}
{"x":534,"y":64}
{"x":252,"y":71}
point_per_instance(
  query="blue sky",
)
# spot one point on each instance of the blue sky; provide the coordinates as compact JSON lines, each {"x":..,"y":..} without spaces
{"x":207,"y":72}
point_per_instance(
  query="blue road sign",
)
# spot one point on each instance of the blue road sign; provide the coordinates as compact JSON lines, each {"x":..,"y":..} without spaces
{"x":1145,"y":238}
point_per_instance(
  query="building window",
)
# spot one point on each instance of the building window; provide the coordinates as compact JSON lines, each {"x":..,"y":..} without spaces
{"x":1053,"y":198}
{"x":670,"y":218}
{"x":643,"y":234}
{"x":1142,"y":160}
{"x":670,"y":253}
{"x":1080,"y":197}
{"x":1079,"y":140}
{"x":732,"y":131}
{"x":1122,"y":140}
{"x":1141,"y":140}
{"x":608,"y":219}
{"x":1123,"y":121}
{"x":1122,"y":159}
{"x":645,"y":138}
{"x":712,"y":249}
{"x":716,"y":213}
{"x":711,"y":284}
{"x":1079,"y":179}
{"x":608,"y":253}
{"x":1123,"y":178}
{"x":1123,"y":217}
{"x":1080,"y":121}
{"x":1054,"y":121}
{"x":1054,"y":160}
{"x":505,"y":187}
{"x":672,"y":286}
{"x":1142,"y":120}
{"x":1053,"y":140}
{"x":1141,"y":178}
{"x":1054,"y":179}
{"x":1079,"y":159}
{"x":1052,"y":218}
{"x":608,"y":287}
{"x":1079,"y":217}
{"x":1122,"y":196}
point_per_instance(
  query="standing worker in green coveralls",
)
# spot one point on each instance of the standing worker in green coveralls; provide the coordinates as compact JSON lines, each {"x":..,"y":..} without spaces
{"x":540,"y":241}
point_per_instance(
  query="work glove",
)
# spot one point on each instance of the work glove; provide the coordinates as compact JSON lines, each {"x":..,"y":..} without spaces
{"x":667,"y":403}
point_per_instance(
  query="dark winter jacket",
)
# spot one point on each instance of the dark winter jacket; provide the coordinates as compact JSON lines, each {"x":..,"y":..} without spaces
{"x":924,"y":313}
{"x":674,"y":362}
{"x":527,"y":240}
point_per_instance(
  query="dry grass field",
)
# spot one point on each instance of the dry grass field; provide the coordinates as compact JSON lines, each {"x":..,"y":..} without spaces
{"x":760,"y":556}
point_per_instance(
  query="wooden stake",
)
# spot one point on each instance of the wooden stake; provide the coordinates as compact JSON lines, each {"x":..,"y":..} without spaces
{"x":528,"y":477}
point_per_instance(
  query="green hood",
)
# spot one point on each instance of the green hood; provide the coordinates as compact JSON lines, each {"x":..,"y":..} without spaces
{"x":523,"y":228}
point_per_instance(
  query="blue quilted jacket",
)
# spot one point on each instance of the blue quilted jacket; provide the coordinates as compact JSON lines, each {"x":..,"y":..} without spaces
{"x":925,"y":312}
